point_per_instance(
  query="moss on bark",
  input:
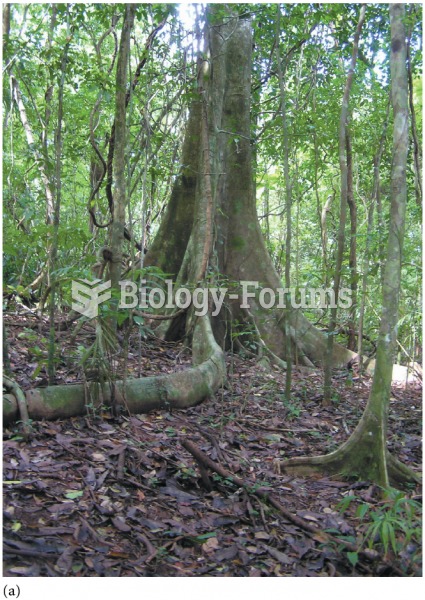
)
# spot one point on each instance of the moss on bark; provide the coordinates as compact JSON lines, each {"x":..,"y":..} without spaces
{"x":364,"y":455}
{"x":176,"y":390}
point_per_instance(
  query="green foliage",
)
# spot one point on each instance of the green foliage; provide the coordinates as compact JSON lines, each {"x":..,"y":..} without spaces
{"x":293,"y":409}
{"x":396,"y":524}
{"x":186,"y":473}
{"x":315,"y":43}
{"x":393,"y":527}
{"x":36,"y":39}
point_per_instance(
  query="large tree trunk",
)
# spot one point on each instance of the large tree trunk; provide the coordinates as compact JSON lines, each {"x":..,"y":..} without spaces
{"x":210,"y":231}
{"x":239,"y":252}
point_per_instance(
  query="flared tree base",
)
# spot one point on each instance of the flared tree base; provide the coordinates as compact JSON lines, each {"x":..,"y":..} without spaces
{"x":349,"y":463}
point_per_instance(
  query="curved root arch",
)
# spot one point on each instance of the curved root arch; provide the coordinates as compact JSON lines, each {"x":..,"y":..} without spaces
{"x":175,"y":390}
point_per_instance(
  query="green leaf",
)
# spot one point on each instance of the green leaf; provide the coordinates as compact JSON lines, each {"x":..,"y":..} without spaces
{"x":121,"y":317}
{"x":37,"y":370}
{"x":16,"y":526}
{"x":362,"y":510}
{"x":385,"y":534}
{"x":353,"y":557}
{"x":72,"y":495}
{"x":393,"y":539}
{"x":205,"y":536}
{"x":344,"y":503}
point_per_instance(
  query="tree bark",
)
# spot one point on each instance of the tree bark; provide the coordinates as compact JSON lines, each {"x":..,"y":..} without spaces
{"x":288,"y":202}
{"x":417,"y":157}
{"x":239,"y":252}
{"x":6,"y":26}
{"x":343,"y":165}
{"x":119,"y":208}
{"x":365,"y":453}
{"x":353,"y":244}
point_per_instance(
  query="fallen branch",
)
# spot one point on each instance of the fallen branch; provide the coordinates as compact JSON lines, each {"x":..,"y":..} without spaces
{"x":152,"y":551}
{"x":120,"y":464}
{"x":32,"y":553}
{"x":315,"y":532}
{"x":203,"y":458}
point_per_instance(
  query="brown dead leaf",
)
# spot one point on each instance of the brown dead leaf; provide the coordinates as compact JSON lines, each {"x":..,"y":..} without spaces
{"x":98,"y":457}
{"x":120,"y":524}
{"x":210,"y":545}
{"x":283,"y":558}
{"x":117,"y":553}
{"x":261,"y":535}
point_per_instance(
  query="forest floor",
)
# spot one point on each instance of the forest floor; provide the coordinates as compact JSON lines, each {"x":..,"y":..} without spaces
{"x":98,"y":495}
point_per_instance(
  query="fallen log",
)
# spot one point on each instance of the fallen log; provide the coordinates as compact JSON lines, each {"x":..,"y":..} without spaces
{"x":175,"y":390}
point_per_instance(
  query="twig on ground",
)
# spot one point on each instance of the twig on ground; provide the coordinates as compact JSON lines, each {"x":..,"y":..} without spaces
{"x":120,"y":465}
{"x":315,"y":532}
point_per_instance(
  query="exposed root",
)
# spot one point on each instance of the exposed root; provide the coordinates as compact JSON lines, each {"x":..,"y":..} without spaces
{"x":181,"y":389}
{"x":399,"y":473}
{"x":12,"y":387}
{"x":344,"y":463}
{"x":313,"y":531}
{"x":306,"y":465}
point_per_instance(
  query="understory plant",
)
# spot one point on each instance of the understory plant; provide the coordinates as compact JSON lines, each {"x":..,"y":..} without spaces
{"x":393,"y":527}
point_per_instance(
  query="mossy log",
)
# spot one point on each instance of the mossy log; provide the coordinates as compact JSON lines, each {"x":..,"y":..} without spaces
{"x":175,"y":390}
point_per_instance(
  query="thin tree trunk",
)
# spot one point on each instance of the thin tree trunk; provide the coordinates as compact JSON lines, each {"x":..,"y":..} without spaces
{"x":365,"y":454}
{"x":381,"y":386}
{"x":56,"y":215}
{"x":120,"y":136}
{"x":353,"y":245}
{"x":6,"y":358}
{"x":417,"y":162}
{"x":373,"y":201}
{"x":266,"y":211}
{"x":288,"y":203}
{"x":343,"y":209}
{"x":6,"y":27}
{"x":48,"y":95}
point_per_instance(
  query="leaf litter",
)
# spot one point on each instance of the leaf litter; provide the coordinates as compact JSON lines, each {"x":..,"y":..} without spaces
{"x":103,"y":496}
